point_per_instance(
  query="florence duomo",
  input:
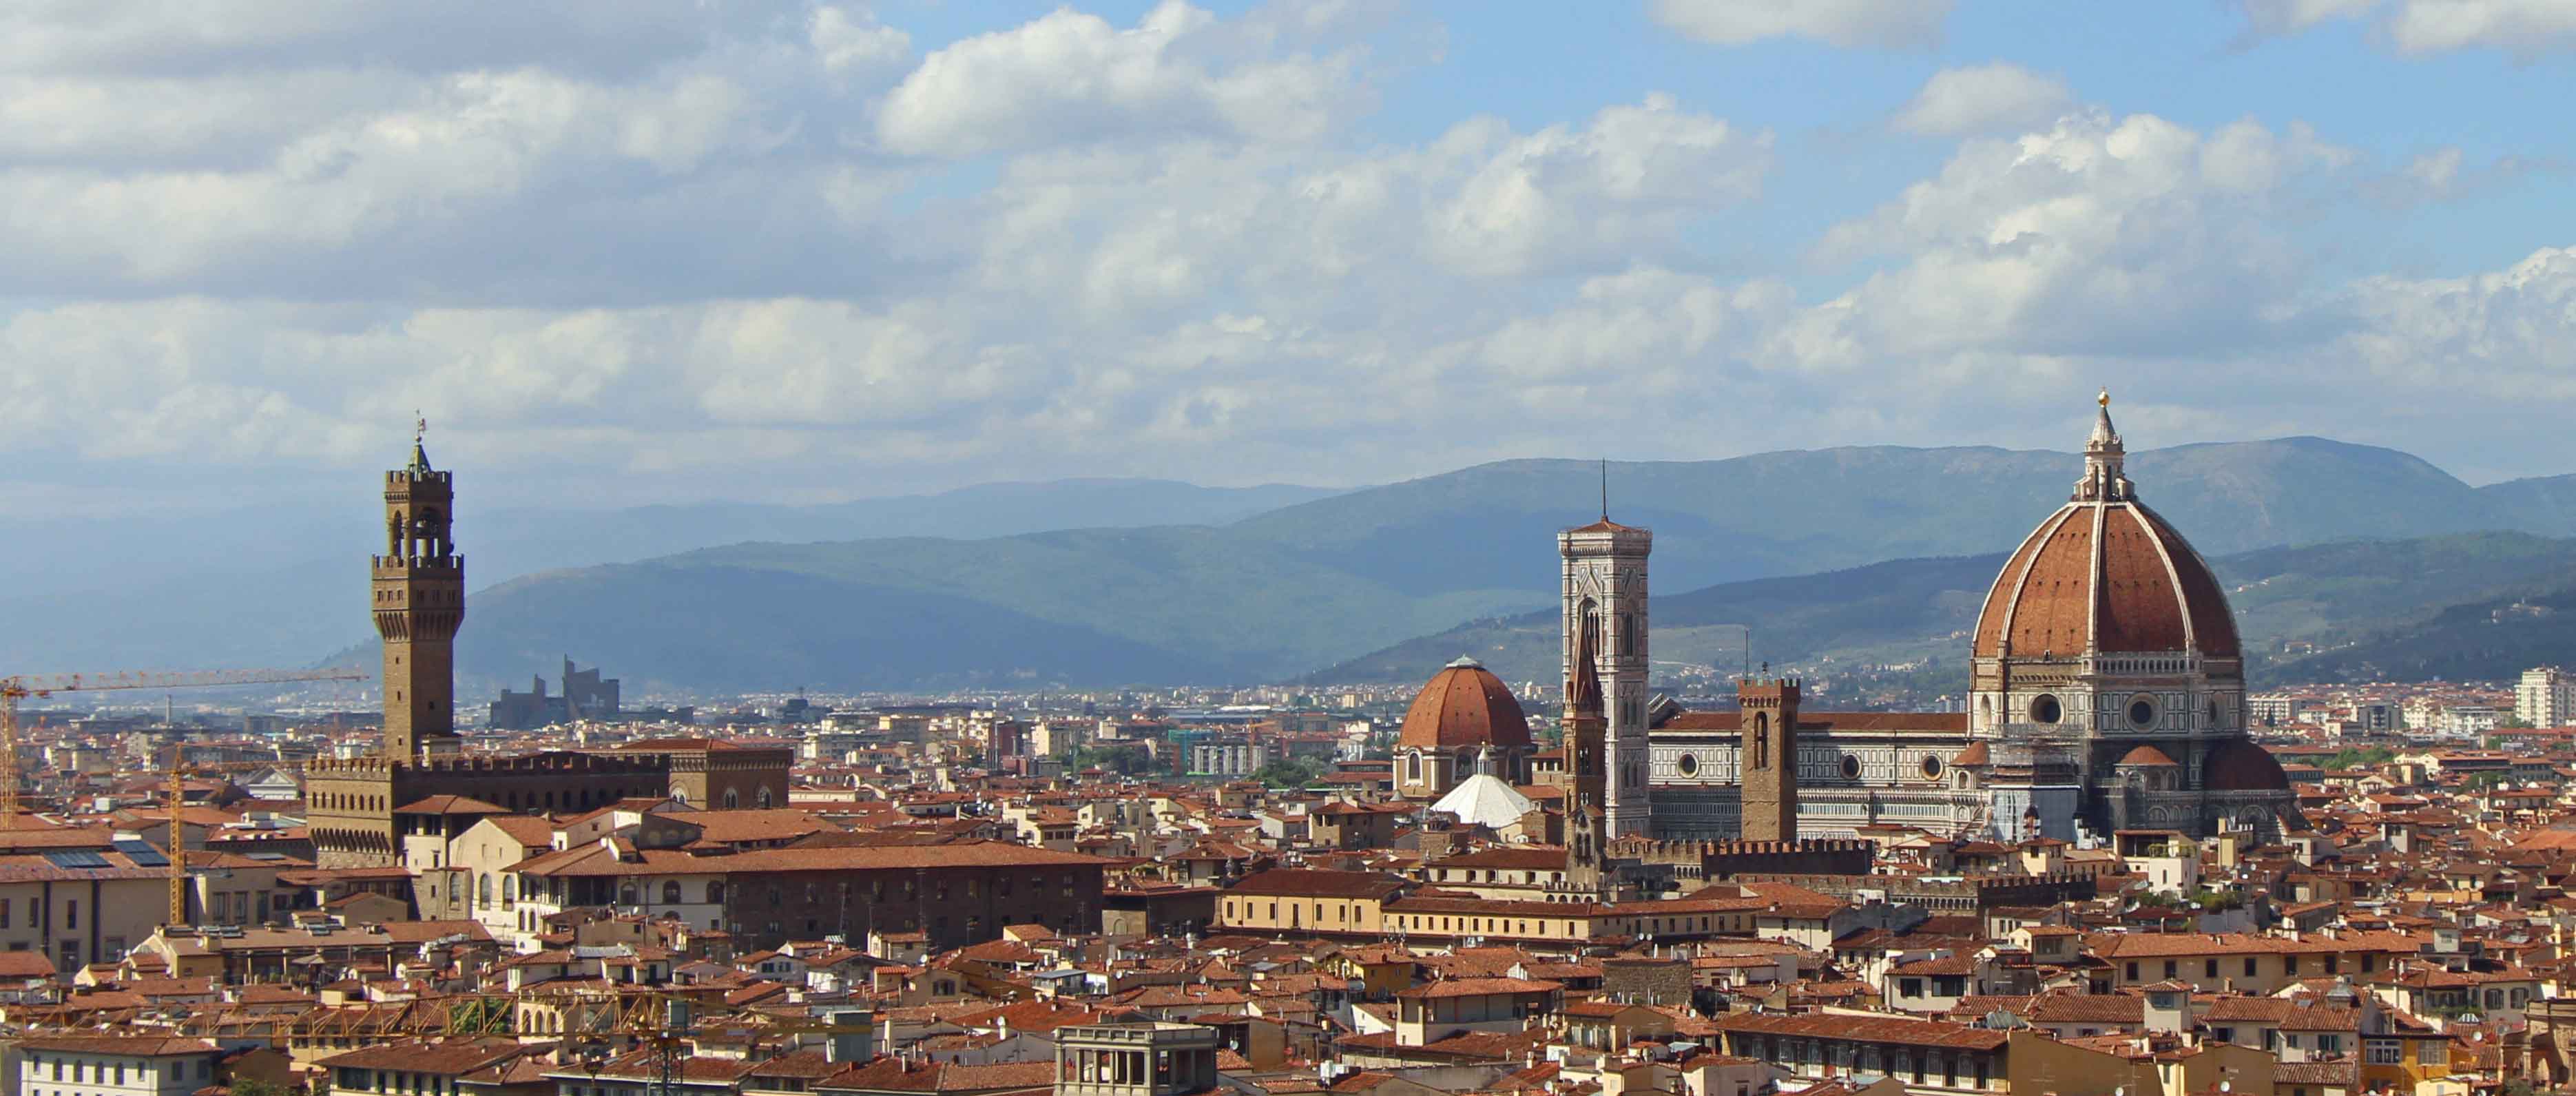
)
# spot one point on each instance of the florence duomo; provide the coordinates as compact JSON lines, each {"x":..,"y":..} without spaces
{"x":2107,"y":693}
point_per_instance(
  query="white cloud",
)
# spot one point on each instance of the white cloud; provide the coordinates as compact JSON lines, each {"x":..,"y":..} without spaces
{"x":2100,"y":235}
{"x":2526,"y":29}
{"x":1072,"y":78}
{"x":1957,"y":102}
{"x":2507,"y":335}
{"x":855,"y":40}
{"x":749,"y":261}
{"x":1891,"y":24}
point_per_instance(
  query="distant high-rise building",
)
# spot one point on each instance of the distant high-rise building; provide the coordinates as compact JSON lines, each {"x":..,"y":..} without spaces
{"x":2546,"y":697}
{"x":586,"y":695}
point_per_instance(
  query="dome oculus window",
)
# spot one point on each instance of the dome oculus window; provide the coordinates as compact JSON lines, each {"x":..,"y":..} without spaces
{"x":1851,"y":767}
{"x":1931,"y":767}
{"x":1689,"y":764}
{"x":2142,"y":711}
{"x":2045,"y":709}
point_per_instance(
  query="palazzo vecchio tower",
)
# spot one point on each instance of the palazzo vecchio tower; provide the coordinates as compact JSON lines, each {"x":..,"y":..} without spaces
{"x":419,"y":603}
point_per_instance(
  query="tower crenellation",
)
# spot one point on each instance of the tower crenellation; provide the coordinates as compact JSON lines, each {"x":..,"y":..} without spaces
{"x":418,"y":588}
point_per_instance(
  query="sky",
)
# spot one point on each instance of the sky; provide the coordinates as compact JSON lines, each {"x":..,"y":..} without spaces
{"x":625,"y":251}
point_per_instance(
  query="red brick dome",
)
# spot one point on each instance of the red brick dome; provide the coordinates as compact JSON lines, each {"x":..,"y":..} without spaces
{"x":1464,"y":705}
{"x":2238,"y":765}
{"x":2105,"y":574}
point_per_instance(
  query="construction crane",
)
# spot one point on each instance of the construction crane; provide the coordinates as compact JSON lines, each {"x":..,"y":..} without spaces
{"x":15,"y":689}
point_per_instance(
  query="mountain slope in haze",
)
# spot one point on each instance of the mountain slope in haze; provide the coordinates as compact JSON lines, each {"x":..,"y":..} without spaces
{"x":1279,"y":593}
{"x":2545,"y":505}
{"x":1799,"y":512}
{"x":270,"y":587}
{"x":2492,"y":640}
{"x":1915,"y":610}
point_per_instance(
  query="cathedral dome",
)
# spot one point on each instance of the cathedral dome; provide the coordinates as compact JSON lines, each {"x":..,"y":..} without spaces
{"x":1464,"y":705}
{"x":2238,"y":765}
{"x":2105,"y":574}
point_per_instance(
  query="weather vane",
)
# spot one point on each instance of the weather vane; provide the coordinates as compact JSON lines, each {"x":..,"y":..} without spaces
{"x":419,"y":426}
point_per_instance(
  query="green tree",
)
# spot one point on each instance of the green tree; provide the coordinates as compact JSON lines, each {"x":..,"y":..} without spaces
{"x":1124,"y":760}
{"x":1288,"y":772}
{"x":250,"y":1087}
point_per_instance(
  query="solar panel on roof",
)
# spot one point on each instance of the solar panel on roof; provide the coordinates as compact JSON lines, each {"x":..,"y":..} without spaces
{"x":143,"y":854}
{"x":75,"y":858}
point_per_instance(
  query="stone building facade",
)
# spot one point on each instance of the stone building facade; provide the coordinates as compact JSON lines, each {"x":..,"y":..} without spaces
{"x":713,"y":774}
{"x":353,"y":805}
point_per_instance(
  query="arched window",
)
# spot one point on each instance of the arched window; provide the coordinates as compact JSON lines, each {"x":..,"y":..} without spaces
{"x":733,"y":799}
{"x":1761,"y":740}
{"x":483,"y":890}
{"x":1413,"y":768}
{"x":671,"y":893}
{"x":765,"y":800}
{"x":626,"y":894}
{"x":715,"y":893}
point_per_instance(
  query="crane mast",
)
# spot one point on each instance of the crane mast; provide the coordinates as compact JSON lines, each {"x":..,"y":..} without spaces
{"x":17,"y":688}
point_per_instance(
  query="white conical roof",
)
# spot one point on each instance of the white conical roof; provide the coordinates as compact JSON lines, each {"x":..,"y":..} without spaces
{"x":1484,"y":800}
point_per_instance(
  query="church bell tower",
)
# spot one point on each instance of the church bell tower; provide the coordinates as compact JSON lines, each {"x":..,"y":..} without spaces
{"x":1605,"y":624}
{"x":419,"y":588}
{"x":1770,"y":758}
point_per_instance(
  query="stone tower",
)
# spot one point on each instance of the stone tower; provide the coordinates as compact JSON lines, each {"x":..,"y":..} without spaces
{"x":1770,"y":758}
{"x":1605,"y":600}
{"x":419,"y":602}
{"x":1586,"y":744}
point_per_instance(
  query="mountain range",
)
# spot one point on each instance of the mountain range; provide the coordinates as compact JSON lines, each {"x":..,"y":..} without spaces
{"x":2318,"y":612}
{"x":1140,"y":582}
{"x":1278,"y":594}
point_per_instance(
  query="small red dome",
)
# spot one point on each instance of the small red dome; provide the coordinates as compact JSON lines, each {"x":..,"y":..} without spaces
{"x":2146,"y":755}
{"x":1464,"y":705}
{"x":2241,"y":766}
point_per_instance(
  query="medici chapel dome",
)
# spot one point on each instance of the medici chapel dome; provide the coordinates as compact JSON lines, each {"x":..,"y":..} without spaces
{"x":1464,"y":705}
{"x":2105,"y":574}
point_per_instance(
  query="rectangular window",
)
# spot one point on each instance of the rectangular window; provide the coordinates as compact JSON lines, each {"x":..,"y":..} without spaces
{"x":2249,"y":966}
{"x":2384,"y":1052}
{"x":2209,"y":969}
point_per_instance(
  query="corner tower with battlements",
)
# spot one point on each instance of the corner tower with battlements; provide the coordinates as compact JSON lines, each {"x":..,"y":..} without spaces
{"x":418,"y":603}
{"x":398,"y":808}
{"x":1605,"y":613}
